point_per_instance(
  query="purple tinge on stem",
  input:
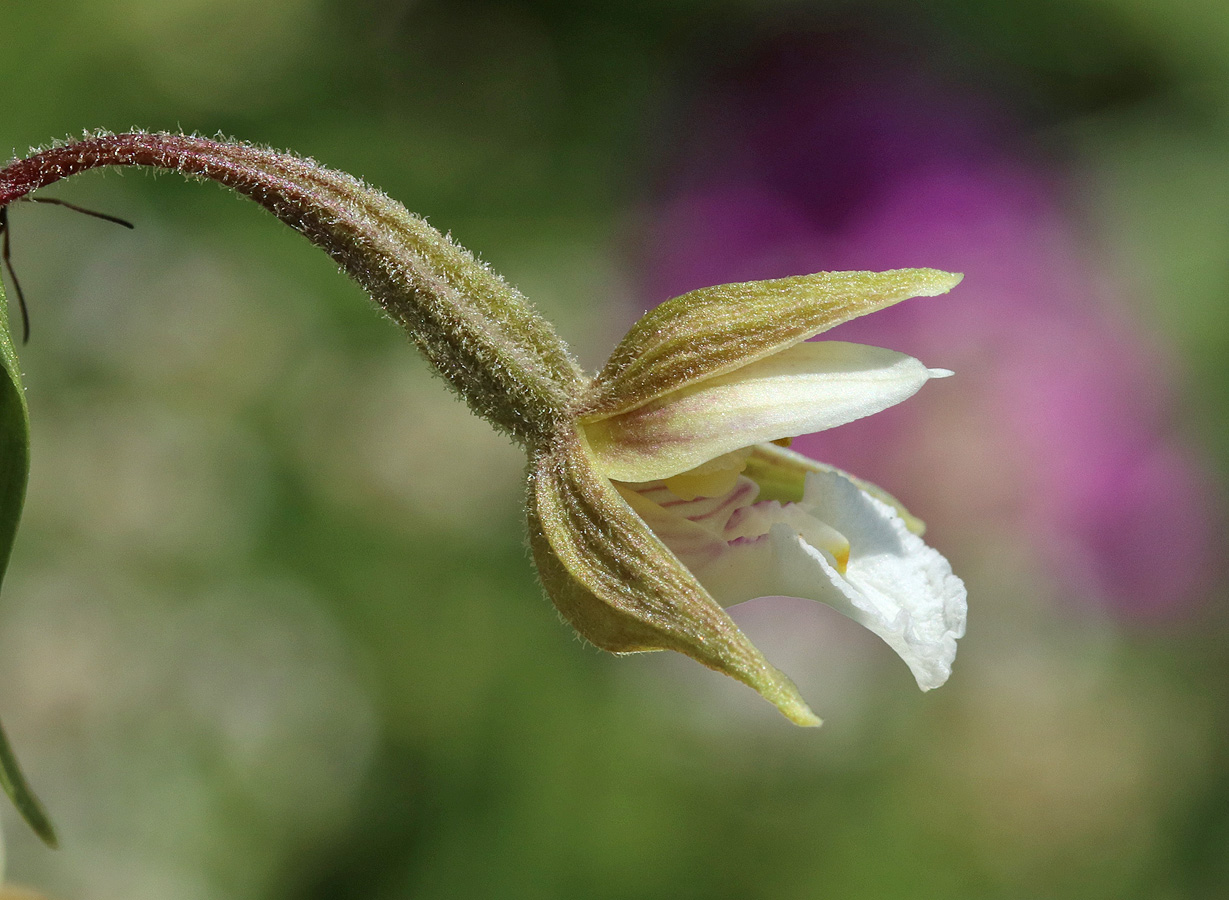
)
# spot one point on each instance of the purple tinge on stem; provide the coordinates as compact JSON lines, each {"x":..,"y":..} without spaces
{"x":1056,"y":430}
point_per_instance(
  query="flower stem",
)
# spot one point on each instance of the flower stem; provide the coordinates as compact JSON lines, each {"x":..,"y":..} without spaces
{"x":479,"y":332}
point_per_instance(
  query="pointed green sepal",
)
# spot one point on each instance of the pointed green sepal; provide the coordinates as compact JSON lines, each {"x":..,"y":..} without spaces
{"x":622,"y":589}
{"x":716,"y":330}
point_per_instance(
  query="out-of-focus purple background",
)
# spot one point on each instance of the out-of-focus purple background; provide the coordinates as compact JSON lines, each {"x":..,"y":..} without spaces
{"x":825,"y":153}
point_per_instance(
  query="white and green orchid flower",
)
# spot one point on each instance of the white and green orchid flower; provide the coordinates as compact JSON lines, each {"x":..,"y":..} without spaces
{"x":676,"y":441}
{"x":657,"y":493}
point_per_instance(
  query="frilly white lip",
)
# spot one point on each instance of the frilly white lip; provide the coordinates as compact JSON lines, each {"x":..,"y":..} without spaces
{"x":888,"y":580}
{"x":894,"y":584}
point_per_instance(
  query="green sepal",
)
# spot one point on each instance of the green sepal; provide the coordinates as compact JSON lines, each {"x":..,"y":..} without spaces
{"x":716,"y":330}
{"x":14,"y":473}
{"x":622,"y":589}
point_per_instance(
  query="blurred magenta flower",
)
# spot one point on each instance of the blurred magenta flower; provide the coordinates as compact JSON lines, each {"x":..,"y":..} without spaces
{"x":818,"y":158}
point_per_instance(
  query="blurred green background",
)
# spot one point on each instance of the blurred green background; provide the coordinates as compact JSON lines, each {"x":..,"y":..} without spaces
{"x":271,"y":631}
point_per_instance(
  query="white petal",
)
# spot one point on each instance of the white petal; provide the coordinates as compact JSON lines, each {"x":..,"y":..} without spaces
{"x":894,"y":585}
{"x":806,"y":388}
{"x":692,"y":529}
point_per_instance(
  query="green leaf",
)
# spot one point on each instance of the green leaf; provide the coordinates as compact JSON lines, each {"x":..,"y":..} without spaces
{"x":14,"y":472}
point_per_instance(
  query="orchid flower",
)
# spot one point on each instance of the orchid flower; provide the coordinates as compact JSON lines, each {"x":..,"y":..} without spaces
{"x":670,"y":493}
{"x":657,"y":491}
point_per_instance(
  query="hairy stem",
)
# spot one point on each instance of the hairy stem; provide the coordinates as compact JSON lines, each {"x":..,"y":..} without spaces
{"x":479,"y":332}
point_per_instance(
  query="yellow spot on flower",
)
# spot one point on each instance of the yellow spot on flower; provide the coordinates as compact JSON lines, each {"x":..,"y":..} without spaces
{"x":841,"y":555}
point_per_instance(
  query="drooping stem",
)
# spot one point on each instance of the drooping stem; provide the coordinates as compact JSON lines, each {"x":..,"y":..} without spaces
{"x":478,"y":331}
